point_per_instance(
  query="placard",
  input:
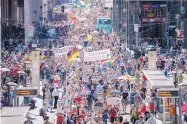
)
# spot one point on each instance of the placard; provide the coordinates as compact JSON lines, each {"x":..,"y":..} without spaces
{"x":112,"y":100}
{"x":97,"y":55}
{"x":61,"y":51}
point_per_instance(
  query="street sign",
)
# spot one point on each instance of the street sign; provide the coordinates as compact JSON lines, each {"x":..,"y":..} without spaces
{"x":136,"y":27}
{"x":168,"y":93}
{"x":30,"y":31}
{"x":181,"y":34}
{"x":27,"y":91}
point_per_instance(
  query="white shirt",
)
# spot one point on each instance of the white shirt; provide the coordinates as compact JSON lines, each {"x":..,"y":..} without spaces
{"x":55,"y":92}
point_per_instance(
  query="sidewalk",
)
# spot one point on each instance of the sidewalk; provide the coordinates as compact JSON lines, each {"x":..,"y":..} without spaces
{"x":35,"y":113}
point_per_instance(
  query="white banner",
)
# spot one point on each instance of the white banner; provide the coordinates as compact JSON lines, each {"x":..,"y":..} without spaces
{"x":97,"y":55}
{"x":152,"y":60}
{"x":61,"y":51}
{"x":112,"y":100}
{"x":108,"y":4}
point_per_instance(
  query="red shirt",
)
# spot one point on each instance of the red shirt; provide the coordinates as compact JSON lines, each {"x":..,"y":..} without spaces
{"x":141,"y":59}
{"x":151,"y":106}
{"x":144,"y":77}
{"x":113,"y":112}
{"x":143,"y":108}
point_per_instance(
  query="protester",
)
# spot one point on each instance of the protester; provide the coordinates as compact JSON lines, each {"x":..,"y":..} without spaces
{"x":124,"y":100}
{"x":55,"y":94}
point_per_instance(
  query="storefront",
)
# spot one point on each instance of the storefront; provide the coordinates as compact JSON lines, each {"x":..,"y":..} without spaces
{"x":153,"y":16}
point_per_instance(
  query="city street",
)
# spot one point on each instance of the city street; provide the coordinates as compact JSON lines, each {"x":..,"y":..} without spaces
{"x":93,"y":62}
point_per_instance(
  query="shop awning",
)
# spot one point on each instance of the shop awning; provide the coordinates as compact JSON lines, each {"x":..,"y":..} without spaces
{"x":157,"y":79}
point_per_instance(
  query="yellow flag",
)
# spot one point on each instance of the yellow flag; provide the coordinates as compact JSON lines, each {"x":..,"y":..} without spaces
{"x":89,"y":37}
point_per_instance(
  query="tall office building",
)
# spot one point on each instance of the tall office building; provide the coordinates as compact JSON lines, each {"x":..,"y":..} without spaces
{"x":156,"y":20}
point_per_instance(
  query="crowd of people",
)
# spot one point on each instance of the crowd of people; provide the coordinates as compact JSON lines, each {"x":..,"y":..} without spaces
{"x":12,"y":34}
{"x":79,"y":90}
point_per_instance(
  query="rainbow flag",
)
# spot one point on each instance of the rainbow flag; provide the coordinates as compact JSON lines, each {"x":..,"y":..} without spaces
{"x":73,"y":54}
{"x":108,"y":62}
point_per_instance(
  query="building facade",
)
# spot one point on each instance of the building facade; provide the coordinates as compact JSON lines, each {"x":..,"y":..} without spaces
{"x":24,"y":12}
{"x":157,"y":21}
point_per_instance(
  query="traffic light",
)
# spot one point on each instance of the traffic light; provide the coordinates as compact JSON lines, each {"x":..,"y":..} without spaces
{"x":62,"y":8}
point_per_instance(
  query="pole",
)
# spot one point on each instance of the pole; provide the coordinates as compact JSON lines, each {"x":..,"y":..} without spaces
{"x":185,"y":27}
{"x":128,"y":23}
{"x":175,"y":83}
{"x":180,"y":104}
{"x":8,"y":95}
{"x":66,"y":96}
{"x":164,"y":118}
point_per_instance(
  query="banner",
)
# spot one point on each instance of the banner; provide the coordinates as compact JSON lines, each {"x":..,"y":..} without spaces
{"x":36,"y":69}
{"x":61,"y":51}
{"x":97,"y":55}
{"x":151,"y":60}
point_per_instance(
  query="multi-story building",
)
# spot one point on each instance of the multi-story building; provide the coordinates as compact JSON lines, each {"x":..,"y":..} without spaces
{"x":155,"y":19}
{"x":24,"y":12}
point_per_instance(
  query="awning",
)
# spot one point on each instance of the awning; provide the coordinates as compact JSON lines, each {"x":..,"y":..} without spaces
{"x":157,"y":79}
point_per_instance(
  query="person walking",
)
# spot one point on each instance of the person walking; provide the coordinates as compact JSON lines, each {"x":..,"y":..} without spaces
{"x":47,"y":98}
{"x":124,"y":100}
{"x":55,"y":94}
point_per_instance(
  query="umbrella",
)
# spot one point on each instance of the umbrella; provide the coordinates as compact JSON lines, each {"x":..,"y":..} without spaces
{"x":114,"y":92}
{"x":21,"y":72}
{"x":12,"y":84}
{"x":122,"y":78}
{"x":99,"y":107}
{"x":150,"y":46}
{"x":184,"y":107}
{"x":5,"y":69}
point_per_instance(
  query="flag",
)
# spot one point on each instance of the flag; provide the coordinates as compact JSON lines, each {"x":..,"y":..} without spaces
{"x":73,"y":54}
{"x":108,"y":62}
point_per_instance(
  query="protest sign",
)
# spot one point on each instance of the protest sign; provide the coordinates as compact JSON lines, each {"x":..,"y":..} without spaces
{"x":112,"y":100}
{"x":61,"y":51}
{"x":97,"y":55}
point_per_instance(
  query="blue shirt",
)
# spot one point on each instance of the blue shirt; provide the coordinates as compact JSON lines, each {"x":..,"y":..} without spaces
{"x":99,"y":87}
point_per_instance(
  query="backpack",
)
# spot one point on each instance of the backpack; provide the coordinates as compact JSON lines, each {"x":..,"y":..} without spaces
{"x":41,"y":112}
